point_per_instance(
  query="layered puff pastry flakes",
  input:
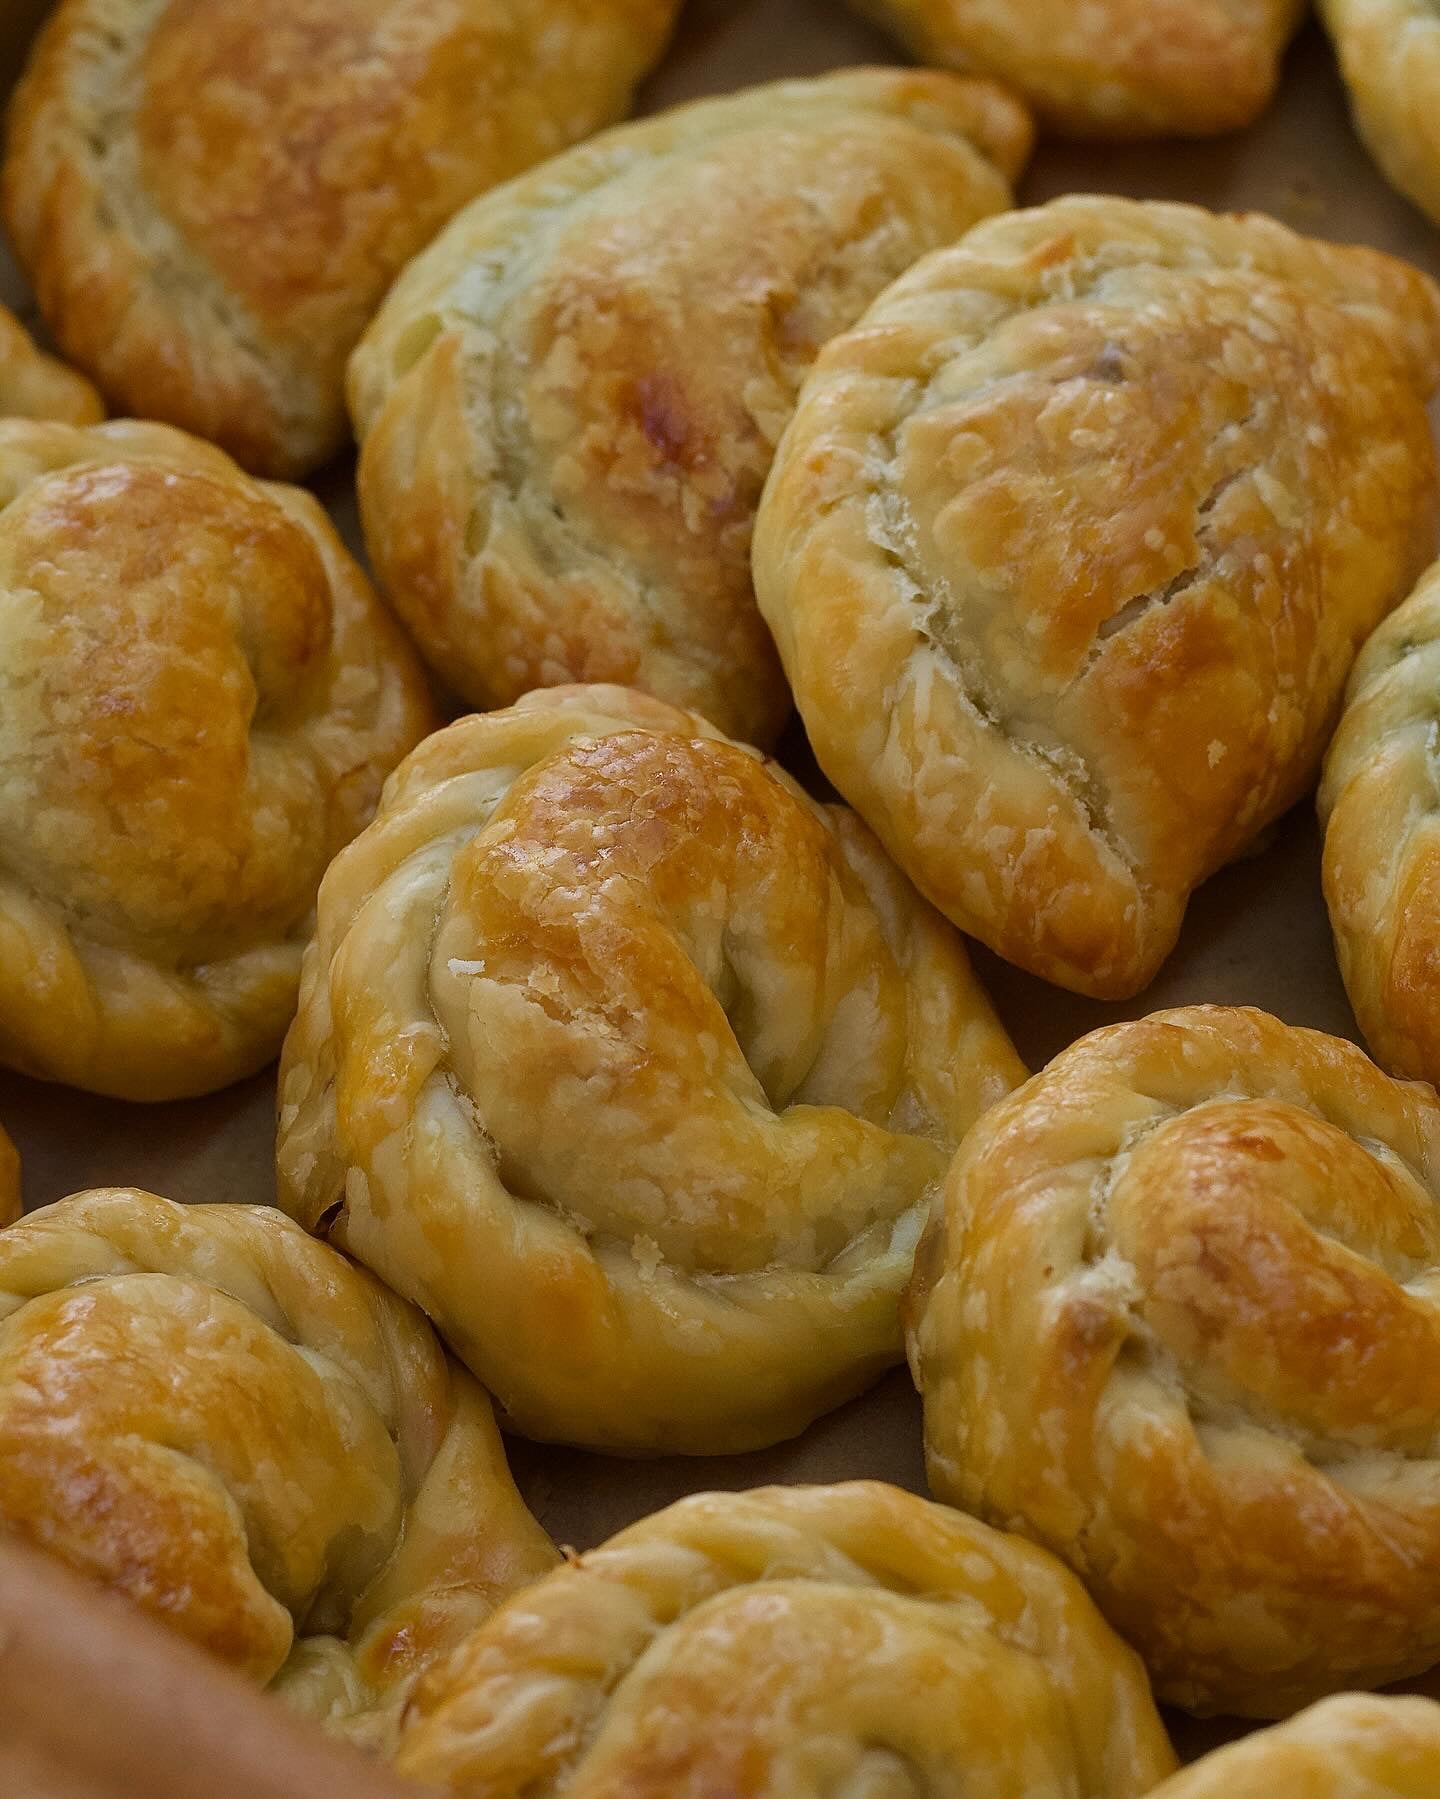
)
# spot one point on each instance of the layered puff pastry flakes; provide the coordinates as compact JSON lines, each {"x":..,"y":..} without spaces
{"x":1070,"y":545}
{"x":569,"y":403}
{"x":211,"y":198}
{"x":199,"y":699}
{"x":1355,"y":1746}
{"x":36,"y":386}
{"x":793,"y":1641}
{"x":1389,"y":53}
{"x":1380,"y":804}
{"x":636,"y":1068}
{"x":1110,"y":68}
{"x":1178,"y":1319}
{"x":255,"y":1442}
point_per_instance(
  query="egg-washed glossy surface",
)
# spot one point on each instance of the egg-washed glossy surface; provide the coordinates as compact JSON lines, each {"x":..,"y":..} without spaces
{"x":36,"y":386}
{"x":1356,"y":1746}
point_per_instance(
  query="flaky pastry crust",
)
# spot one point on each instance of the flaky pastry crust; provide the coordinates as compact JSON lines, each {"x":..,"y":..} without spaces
{"x":1069,"y":547}
{"x":36,"y":386}
{"x":793,"y":1642}
{"x":254,"y":1441}
{"x":1355,"y":1746}
{"x":1110,"y":68}
{"x":211,"y":198}
{"x":199,"y":699}
{"x":1389,"y":53}
{"x":636,"y":1068}
{"x":569,"y":402}
{"x":1178,"y":1318}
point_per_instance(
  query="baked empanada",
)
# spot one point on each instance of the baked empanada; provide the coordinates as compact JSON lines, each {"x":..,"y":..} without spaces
{"x":36,"y":386}
{"x":1356,"y":1746}
{"x":1110,"y":68}
{"x":793,"y":1641}
{"x":1178,"y":1318}
{"x":1070,"y":545}
{"x":1389,"y":53}
{"x":569,"y":403}
{"x":199,"y":699}
{"x":255,"y":1442}
{"x":636,"y":1068}
{"x":211,"y":196}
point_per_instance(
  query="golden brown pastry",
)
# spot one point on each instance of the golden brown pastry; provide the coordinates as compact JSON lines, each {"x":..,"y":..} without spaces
{"x":1110,"y":68}
{"x":1377,"y":801}
{"x":199,"y":699}
{"x":1070,"y":545}
{"x":254,"y":1441}
{"x":636,"y":1068}
{"x":569,"y":403}
{"x":9,"y":1180}
{"x":36,"y":386}
{"x":787,"y":1642}
{"x":1389,"y":53}
{"x":1355,"y":1746}
{"x":1178,"y":1318}
{"x":211,"y":197}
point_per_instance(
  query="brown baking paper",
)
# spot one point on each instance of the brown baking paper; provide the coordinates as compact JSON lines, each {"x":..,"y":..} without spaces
{"x":1256,"y":934}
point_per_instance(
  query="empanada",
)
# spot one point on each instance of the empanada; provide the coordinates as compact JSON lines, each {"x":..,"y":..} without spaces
{"x":254,"y":1441}
{"x":569,"y":403}
{"x":1389,"y":53}
{"x":211,"y":196}
{"x":1110,"y":68}
{"x":1070,"y":545}
{"x":636,"y":1068}
{"x":199,"y":699}
{"x":1356,"y":1746}
{"x":1178,"y":1318}
{"x":787,"y":1642}
{"x":36,"y":386}
{"x":1378,"y":801}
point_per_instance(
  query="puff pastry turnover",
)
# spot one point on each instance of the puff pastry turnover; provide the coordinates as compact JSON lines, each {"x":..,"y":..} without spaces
{"x":1179,"y":1319}
{"x":569,"y":403}
{"x":1389,"y":53}
{"x":1356,"y":1746}
{"x":211,"y":198}
{"x":36,"y":386}
{"x":635,"y":1068}
{"x":1070,"y":545}
{"x":1111,"y":68}
{"x":254,"y":1441}
{"x":199,"y":699}
{"x":793,"y":1641}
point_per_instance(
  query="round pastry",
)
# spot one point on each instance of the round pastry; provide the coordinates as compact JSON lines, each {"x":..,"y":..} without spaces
{"x":211,"y":198}
{"x":636,"y":1068}
{"x":1110,"y":68}
{"x":1178,"y":1318}
{"x":1382,"y":848}
{"x":787,"y":1641}
{"x":1389,"y":53}
{"x":1356,"y":1746}
{"x":1070,"y":545}
{"x":9,"y":1180}
{"x":199,"y":699}
{"x":36,"y":386}
{"x":255,"y":1442}
{"x":556,"y":486}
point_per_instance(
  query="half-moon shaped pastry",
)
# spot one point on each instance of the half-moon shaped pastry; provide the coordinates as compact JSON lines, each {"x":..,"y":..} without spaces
{"x":36,"y":386}
{"x":211,"y":198}
{"x":1389,"y":53}
{"x":787,"y":1641}
{"x":1178,"y":1318}
{"x":1110,"y":68}
{"x":1355,"y":1746}
{"x":254,"y":1441}
{"x":1378,"y":804}
{"x":199,"y":699}
{"x":1070,"y":545}
{"x":9,"y":1180}
{"x":636,"y":1068}
{"x":569,"y":402}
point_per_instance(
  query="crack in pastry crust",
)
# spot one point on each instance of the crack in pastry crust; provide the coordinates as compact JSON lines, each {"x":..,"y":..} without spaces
{"x":555,"y":486}
{"x":1178,"y":1318}
{"x":793,"y":1641}
{"x":1355,"y":1746}
{"x":1069,"y":546}
{"x":636,"y":1068}
{"x":36,"y":386}
{"x":1389,"y":53}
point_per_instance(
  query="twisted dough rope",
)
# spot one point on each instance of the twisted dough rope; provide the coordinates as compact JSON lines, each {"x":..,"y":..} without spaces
{"x":36,"y":386}
{"x":254,"y":1441}
{"x":1178,"y":1318}
{"x":635,"y":1068}
{"x":793,"y":1641}
{"x":1355,"y":1746}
